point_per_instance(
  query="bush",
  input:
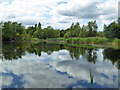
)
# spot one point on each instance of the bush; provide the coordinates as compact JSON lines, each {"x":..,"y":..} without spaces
{"x":116,"y":40}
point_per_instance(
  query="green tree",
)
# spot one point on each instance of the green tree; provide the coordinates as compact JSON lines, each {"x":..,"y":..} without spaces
{"x":77,"y":29}
{"x":13,"y":31}
{"x":83,"y":32}
{"x":38,"y":33}
{"x":113,"y":30}
{"x":7,"y":31}
{"x":71,"y":30}
{"x":92,"y":28}
{"x":62,"y":32}
{"x":100,"y":34}
{"x":45,"y":33}
{"x":67,"y":34}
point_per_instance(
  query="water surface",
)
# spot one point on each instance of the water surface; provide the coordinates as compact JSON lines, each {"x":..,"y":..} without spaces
{"x":48,"y":65}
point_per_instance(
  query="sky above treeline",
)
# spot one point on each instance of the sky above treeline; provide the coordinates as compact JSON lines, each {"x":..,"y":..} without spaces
{"x":59,"y":13}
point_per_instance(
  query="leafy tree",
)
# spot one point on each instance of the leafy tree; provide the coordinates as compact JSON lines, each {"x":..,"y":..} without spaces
{"x":113,"y":30}
{"x":92,"y":28}
{"x":13,"y":31}
{"x":45,"y":33}
{"x":49,"y":32}
{"x":100,"y":34}
{"x":38,"y":33}
{"x":77,"y":29}
{"x":83,"y":32}
{"x":62,"y":32}
{"x":7,"y":31}
{"x":67,"y":35}
{"x":71,"y":29}
{"x":56,"y":34}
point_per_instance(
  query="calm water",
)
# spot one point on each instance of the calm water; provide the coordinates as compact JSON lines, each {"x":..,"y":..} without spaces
{"x":46,"y":65}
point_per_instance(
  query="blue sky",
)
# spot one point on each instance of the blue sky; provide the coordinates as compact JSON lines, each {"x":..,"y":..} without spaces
{"x":59,"y":13}
{"x":61,"y":3}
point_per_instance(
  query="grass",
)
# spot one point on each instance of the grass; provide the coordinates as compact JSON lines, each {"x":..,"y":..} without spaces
{"x":78,"y":41}
{"x":55,"y":38}
{"x":116,"y":40}
{"x":36,"y":39}
{"x":90,"y":40}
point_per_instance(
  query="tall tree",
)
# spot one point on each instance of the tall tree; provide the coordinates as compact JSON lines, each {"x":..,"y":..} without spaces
{"x":71,"y":29}
{"x":113,"y":30}
{"x":92,"y":28}
{"x":39,"y":32}
{"x":77,"y":29}
{"x":83,"y":32}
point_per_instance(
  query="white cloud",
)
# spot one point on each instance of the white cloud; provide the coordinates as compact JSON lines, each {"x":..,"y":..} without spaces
{"x":30,"y":12}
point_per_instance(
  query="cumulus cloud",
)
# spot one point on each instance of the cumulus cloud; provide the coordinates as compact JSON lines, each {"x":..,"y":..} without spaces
{"x":88,"y":9}
{"x":58,"y":13}
{"x":78,"y":9}
{"x":119,"y":9}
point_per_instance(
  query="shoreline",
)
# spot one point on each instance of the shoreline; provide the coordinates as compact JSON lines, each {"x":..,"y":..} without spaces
{"x":75,"y":41}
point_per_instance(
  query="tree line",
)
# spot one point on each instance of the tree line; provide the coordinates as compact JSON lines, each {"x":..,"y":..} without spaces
{"x":89,"y":30}
{"x":112,"y":30}
{"x":16,"y":31}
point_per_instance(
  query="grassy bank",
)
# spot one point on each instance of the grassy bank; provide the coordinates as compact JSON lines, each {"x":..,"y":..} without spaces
{"x":36,"y":40}
{"x":116,"y":41}
{"x":55,"y":40}
{"x":85,"y":41}
{"x":94,"y":40}
{"x":90,"y":40}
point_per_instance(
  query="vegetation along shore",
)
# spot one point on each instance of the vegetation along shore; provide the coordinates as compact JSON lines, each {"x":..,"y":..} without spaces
{"x":87,"y":34}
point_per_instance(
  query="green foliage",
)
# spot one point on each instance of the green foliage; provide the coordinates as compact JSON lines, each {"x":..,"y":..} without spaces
{"x":86,"y":31}
{"x":62,"y":32}
{"x":100,"y":34}
{"x":92,"y":28}
{"x":83,"y":32}
{"x":16,"y":31}
{"x":116,"y":40}
{"x":38,"y":33}
{"x":94,"y":40}
{"x":49,"y":32}
{"x":13,"y":31}
{"x":73,"y":31}
{"x":67,"y":35}
{"x":113,"y":30}
{"x":30,"y":30}
{"x":55,"y":40}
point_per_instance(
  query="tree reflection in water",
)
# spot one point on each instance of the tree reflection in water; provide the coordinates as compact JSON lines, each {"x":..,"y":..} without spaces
{"x":113,"y":55}
{"x":18,"y":49}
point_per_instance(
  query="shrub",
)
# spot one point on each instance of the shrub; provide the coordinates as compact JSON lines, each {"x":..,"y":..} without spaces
{"x":116,"y":40}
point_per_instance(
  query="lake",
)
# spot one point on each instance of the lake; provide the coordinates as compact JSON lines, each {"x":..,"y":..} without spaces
{"x":52,"y":65}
